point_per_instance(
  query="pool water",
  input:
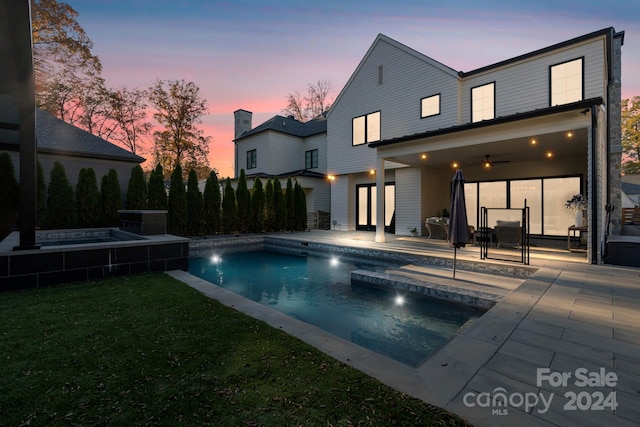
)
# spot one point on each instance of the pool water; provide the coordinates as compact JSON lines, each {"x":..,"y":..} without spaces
{"x":318,"y":291}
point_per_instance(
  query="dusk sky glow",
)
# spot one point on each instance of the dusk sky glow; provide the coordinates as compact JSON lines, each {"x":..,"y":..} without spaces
{"x":250,"y":54}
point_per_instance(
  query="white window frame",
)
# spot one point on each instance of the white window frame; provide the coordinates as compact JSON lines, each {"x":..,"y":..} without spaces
{"x":483,"y":102}
{"x":430,"y":106}
{"x":365,"y":128}
{"x":566,"y":83}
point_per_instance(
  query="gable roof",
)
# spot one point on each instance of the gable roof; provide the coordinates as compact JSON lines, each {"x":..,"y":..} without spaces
{"x":59,"y":137}
{"x":290,"y":126}
{"x":402,"y":47}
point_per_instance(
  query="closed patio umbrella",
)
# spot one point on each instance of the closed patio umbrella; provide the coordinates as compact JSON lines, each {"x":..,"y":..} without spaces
{"x":458,"y":225}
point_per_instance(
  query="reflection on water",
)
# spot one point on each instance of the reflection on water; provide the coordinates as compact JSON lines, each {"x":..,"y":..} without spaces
{"x":319,"y":292}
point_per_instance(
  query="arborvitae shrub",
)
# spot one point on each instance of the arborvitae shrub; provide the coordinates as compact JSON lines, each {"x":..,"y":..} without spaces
{"x":111,"y":198}
{"x":243,"y":200}
{"x":137,"y":189}
{"x":269,"y":209}
{"x":88,"y":199}
{"x":300,"y":207}
{"x":257,"y":206}
{"x":280,"y":206}
{"x":212,"y":204}
{"x":194,"y":205}
{"x":229,"y":209}
{"x":290,"y":203}
{"x":177,"y":220}
{"x":157,"y":192}
{"x":60,"y":200}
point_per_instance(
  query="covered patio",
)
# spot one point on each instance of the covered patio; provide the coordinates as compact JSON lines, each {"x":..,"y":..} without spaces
{"x":544,"y":158}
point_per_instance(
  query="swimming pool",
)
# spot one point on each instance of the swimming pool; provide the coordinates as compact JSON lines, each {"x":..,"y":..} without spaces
{"x":318,"y":291}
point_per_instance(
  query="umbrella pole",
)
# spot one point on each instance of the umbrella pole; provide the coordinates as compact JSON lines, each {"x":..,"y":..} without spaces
{"x":455,"y":251}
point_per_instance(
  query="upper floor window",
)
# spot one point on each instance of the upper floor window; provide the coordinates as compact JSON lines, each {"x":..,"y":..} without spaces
{"x":252,"y":159}
{"x":483,"y":104}
{"x":311,"y":159}
{"x":366,"y":128}
{"x":566,"y":82}
{"x":430,"y":106}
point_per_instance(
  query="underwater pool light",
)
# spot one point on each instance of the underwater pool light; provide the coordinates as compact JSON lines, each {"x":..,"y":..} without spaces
{"x":215,"y":259}
{"x":399,"y":300}
{"x":334,"y":261}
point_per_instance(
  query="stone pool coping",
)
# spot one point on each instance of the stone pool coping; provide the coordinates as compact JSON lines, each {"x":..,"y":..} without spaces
{"x":564,"y":316}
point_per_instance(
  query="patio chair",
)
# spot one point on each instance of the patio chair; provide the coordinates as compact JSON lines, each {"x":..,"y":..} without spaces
{"x":508,"y":233}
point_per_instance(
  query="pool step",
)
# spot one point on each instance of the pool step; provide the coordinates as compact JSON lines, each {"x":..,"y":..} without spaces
{"x":432,"y":286}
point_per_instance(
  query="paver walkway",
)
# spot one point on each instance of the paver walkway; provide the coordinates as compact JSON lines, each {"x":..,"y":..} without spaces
{"x":562,"y":349}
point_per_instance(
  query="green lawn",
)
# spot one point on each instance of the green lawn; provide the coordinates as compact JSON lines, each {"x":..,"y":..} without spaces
{"x":149,"y":350}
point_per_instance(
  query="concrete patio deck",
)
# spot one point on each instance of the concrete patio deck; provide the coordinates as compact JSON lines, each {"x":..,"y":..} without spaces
{"x":562,"y":348}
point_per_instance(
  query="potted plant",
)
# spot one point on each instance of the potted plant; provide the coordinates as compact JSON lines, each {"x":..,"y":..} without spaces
{"x":413,"y":231}
{"x":577,"y":204}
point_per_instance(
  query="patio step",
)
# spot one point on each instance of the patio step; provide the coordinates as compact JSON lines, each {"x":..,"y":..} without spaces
{"x":458,"y":291}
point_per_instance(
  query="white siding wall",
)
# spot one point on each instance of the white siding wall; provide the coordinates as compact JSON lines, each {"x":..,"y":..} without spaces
{"x":318,"y":142}
{"x":260,"y":143}
{"x":342,"y":191}
{"x":406,"y":79}
{"x":524,"y":86}
{"x":286,"y":153}
{"x":408,"y":201}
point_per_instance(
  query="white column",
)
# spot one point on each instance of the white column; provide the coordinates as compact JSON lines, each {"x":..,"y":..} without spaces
{"x":380,"y":202}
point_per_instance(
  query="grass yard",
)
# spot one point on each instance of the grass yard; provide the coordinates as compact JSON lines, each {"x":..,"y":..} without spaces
{"x":149,"y":350}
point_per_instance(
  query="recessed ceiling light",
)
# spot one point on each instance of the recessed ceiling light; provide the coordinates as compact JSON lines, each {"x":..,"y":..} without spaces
{"x":423,"y":157}
{"x":569,"y":134}
{"x":549,"y":154}
{"x":455,"y":165}
{"x":533,"y":141}
{"x":372,"y":172}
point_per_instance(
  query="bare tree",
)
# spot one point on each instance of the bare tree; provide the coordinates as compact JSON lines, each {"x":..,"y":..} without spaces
{"x":313,"y":104}
{"x":129,"y":112}
{"x":179,"y":108}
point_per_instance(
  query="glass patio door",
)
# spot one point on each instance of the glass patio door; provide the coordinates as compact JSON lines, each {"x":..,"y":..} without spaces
{"x":366,"y":202}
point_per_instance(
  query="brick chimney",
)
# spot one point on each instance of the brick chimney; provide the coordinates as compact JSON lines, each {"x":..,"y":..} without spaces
{"x":242,"y":120}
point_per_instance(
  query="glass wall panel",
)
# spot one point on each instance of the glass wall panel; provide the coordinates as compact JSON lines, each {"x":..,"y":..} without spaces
{"x":374,"y":209}
{"x":531,"y":190}
{"x":389,"y":203}
{"x":471,"y":201}
{"x":363,"y":200}
{"x":556,"y":191}
{"x":493,"y":195}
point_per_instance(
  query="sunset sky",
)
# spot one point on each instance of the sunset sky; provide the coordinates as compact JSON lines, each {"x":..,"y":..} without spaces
{"x":250,"y":54}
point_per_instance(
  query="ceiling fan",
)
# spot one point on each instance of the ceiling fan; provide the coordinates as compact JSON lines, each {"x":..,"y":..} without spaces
{"x":488,"y":163}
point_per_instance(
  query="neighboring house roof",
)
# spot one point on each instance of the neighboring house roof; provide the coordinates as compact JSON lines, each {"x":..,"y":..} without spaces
{"x":290,"y":126}
{"x":300,"y":172}
{"x":57,"y":136}
{"x":630,"y":189}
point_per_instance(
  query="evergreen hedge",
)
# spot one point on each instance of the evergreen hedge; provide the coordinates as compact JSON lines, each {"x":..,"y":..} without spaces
{"x":229,"y":209}
{"x":212,"y":200}
{"x":60,"y":200}
{"x":194,"y":205}
{"x":269,"y":209}
{"x":111,"y":198}
{"x":258,"y":206}
{"x":137,"y":190}
{"x":291,"y":206}
{"x":88,"y":199}
{"x":300,"y":207}
{"x":243,"y":200}
{"x":279,"y":206}
{"x":177,"y":215}
{"x":157,"y":193}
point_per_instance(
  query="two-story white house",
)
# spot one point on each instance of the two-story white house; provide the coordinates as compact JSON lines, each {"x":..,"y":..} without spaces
{"x":542,"y":126}
{"x":285,"y":148}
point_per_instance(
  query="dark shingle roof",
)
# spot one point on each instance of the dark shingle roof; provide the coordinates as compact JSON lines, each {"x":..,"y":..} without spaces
{"x":57,"y":136}
{"x":290,"y":126}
